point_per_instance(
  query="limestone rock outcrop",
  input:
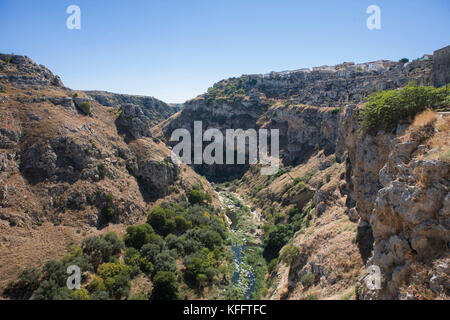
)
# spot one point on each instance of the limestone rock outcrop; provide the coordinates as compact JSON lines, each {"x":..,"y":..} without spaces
{"x":133,"y":122}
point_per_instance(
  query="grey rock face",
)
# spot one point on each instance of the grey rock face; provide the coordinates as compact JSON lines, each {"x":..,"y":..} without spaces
{"x":28,"y":72}
{"x":59,"y":159}
{"x":133,"y":122}
{"x":409,"y":217}
{"x":336,"y":87}
{"x":154,"y":109}
{"x":155,"y":176}
{"x":9,"y":138}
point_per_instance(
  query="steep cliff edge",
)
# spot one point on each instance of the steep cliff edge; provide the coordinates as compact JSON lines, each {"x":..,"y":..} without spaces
{"x":70,"y":166}
{"x":409,"y":212}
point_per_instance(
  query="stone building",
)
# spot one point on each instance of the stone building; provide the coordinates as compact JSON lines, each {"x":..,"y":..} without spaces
{"x":441,"y":67}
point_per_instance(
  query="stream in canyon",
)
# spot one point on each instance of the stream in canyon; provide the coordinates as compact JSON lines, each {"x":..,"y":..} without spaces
{"x":243,"y":224}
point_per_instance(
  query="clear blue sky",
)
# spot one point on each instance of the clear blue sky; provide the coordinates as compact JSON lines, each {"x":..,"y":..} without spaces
{"x":175,"y":50}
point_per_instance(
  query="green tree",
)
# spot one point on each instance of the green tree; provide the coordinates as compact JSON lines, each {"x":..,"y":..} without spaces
{"x":98,"y":249}
{"x":275,"y":240}
{"x":165,"y":286}
{"x":198,"y":197}
{"x":28,"y":281}
{"x":139,"y":235}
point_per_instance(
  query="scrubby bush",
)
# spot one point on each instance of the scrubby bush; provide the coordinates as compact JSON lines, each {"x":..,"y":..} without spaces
{"x":98,"y":249}
{"x":96,"y":284}
{"x":108,"y":213}
{"x":198,"y":197}
{"x":100,"y":295}
{"x":274,"y":240}
{"x":198,"y":272}
{"x":139,"y":235}
{"x":165,"y":286}
{"x":210,"y":239}
{"x":272,"y":265}
{"x":165,"y":221}
{"x":164,"y":262}
{"x":86,"y":107}
{"x":111,"y":269}
{"x":307,"y":279}
{"x":181,"y":224}
{"x":116,"y":244}
{"x":150,"y":251}
{"x":28,"y":281}
{"x":384,"y":110}
{"x":158,"y":218}
{"x":288,"y":254}
{"x":81,"y":294}
{"x":119,"y":286}
{"x":53,"y":282}
{"x":137,"y":262}
{"x":116,"y":277}
{"x":175,"y":243}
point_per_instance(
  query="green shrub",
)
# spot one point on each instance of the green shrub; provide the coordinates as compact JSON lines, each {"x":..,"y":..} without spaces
{"x":28,"y":281}
{"x":274,"y":239}
{"x":139,"y":235}
{"x":150,"y":251}
{"x":108,"y":213}
{"x":165,"y":221}
{"x":288,"y":254}
{"x":96,"y":284}
{"x":384,"y":110}
{"x":86,"y":107}
{"x":182,"y":224}
{"x":12,"y":222}
{"x":101,"y":170}
{"x":100,"y":295}
{"x":210,"y":238}
{"x":139,"y":296}
{"x":198,"y":197}
{"x":81,"y":294}
{"x":98,"y":249}
{"x":116,"y":277}
{"x":164,"y":262}
{"x":307,"y":279}
{"x":118,"y":286}
{"x":110,"y":197}
{"x":165,"y":286}
{"x":116,"y":243}
{"x":111,"y":269}
{"x":272,"y":265}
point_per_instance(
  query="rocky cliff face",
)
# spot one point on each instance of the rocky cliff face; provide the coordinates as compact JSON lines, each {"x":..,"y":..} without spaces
{"x":155,"y":110}
{"x":255,"y":101}
{"x":72,"y":165}
{"x":408,"y":214}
